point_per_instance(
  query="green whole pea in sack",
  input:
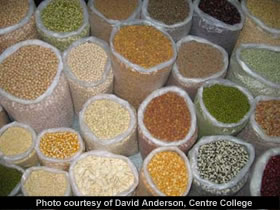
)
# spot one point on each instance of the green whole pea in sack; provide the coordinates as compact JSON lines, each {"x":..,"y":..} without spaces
{"x":105,"y":14}
{"x":61,"y":22}
{"x":10,"y":176}
{"x":4,"y":119}
{"x":222,"y":108}
{"x":198,"y":61}
{"x":257,"y":68}
{"x":220,"y":165}
{"x":263,"y":129}
{"x":219,"y":21}
{"x":33,"y":88}
{"x":17,"y":145}
{"x":17,"y":22}
{"x":87,"y":66}
{"x":175,"y":17}
{"x":261,"y":24}
{"x":142,"y":58}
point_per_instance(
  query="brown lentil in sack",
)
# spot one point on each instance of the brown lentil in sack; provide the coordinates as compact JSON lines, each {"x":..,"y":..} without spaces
{"x":215,"y":30}
{"x":220,"y":165}
{"x":109,"y":123}
{"x":263,"y":130}
{"x":17,"y":22}
{"x":166,"y":118}
{"x":255,"y":29}
{"x":41,"y":100}
{"x":165,"y":172}
{"x":142,"y":58}
{"x":117,"y":11}
{"x":17,"y":145}
{"x":88,"y":69}
{"x":176,"y":30}
{"x":111,"y":175}
{"x":4,"y":119}
{"x":198,"y":61}
{"x":59,"y":147}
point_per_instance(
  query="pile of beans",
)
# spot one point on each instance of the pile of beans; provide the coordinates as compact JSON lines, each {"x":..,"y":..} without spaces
{"x":42,"y":181}
{"x":28,"y":72}
{"x":116,"y":9}
{"x":169,"y":173}
{"x":99,"y":175}
{"x":222,"y":10}
{"x":264,"y":62}
{"x":168,"y":12}
{"x":199,"y":60}
{"x":267,"y":11}
{"x":226,"y":104}
{"x":221,"y":161}
{"x":270,"y":185}
{"x":165,"y":123}
{"x":10,"y":178}
{"x":267,"y":115}
{"x":143,"y":45}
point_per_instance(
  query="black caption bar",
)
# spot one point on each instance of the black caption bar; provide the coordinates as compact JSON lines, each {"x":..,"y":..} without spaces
{"x":21,"y":202}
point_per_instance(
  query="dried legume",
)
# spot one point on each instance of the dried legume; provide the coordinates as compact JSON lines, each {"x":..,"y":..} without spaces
{"x":87,"y":62}
{"x":264,"y":62}
{"x":220,"y":161}
{"x":9,"y":177}
{"x":116,"y":9}
{"x":15,"y":141}
{"x":102,"y":176}
{"x":60,"y":145}
{"x":28,"y":72}
{"x":107,"y":119}
{"x":43,"y":182}
{"x":199,"y":60}
{"x":62,"y":15}
{"x":267,"y":11}
{"x":169,"y":173}
{"x":226,"y":104}
{"x":143,"y":45}
{"x":169,"y":12}
{"x":167,"y":117}
{"x":270,"y":185}
{"x":223,"y":10}
{"x":267,"y":115}
{"x":12,"y":12}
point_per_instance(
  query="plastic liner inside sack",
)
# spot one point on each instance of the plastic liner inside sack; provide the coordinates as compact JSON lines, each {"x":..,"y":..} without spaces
{"x":62,"y":164}
{"x":29,"y":157}
{"x":207,"y":124}
{"x":91,"y":180}
{"x":81,"y":90}
{"x":256,"y":31}
{"x":146,"y":185}
{"x":214,"y":30}
{"x":52,"y":109}
{"x":4,"y":119}
{"x":177,"y":30}
{"x":191,"y":85}
{"x":240,"y":73}
{"x":101,"y":27}
{"x":28,"y":172}
{"x":204,"y":187}
{"x":147,"y":142}
{"x":124,"y":144}
{"x":257,"y":173}
{"x":25,"y":29}
{"x":255,"y":135}
{"x":133,"y":82}
{"x":17,"y":188}
{"x":61,"y":40}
